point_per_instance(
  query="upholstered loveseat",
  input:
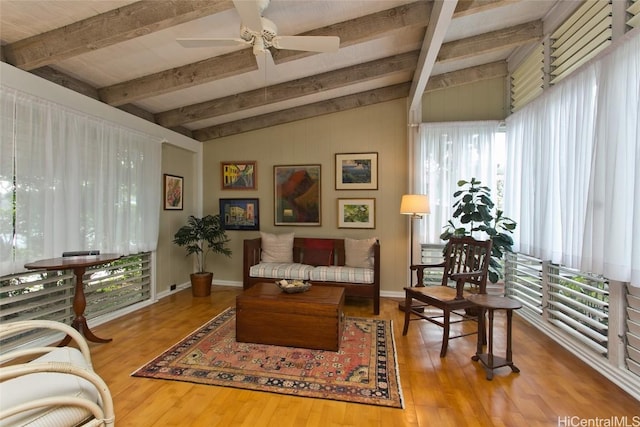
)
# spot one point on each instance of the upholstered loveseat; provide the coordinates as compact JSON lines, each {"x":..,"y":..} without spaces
{"x":348,"y":263}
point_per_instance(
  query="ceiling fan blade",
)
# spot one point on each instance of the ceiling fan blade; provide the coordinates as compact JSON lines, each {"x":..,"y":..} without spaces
{"x":308,"y":43}
{"x":210,"y":42}
{"x":250,"y":12}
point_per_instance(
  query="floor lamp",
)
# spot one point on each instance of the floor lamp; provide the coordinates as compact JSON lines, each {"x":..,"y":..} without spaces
{"x":415,"y":205}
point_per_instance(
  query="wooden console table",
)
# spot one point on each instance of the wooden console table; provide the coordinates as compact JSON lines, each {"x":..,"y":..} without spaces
{"x":490,"y":303}
{"x":79,"y":265}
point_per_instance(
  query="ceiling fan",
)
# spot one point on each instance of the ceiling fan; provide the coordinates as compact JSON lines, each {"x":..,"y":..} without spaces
{"x":261,"y":33}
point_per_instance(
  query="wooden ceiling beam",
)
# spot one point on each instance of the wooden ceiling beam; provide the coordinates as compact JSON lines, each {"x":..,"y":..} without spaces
{"x":114,"y":26}
{"x":469,"y":7}
{"x":354,"y":31}
{"x":492,"y":41}
{"x":79,"y":86}
{"x":335,"y":105}
{"x":285,"y":91}
{"x":197,"y":73}
{"x":365,"y":28}
{"x":67,"y":81}
{"x":467,"y":75}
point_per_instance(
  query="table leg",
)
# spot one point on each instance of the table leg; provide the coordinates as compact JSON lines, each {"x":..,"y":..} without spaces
{"x":79,"y":305}
{"x":490,"y":347}
{"x":481,"y":334}
{"x":509,"y":352}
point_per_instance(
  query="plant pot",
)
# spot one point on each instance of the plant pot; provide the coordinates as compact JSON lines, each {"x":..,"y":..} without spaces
{"x":201,"y":284}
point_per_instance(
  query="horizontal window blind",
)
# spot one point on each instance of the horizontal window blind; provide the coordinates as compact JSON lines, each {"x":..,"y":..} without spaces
{"x":524,"y":277}
{"x":579,"y":304}
{"x":587,"y":32}
{"x":633,"y":329}
{"x":634,"y":14}
{"x":431,"y":254}
{"x":49,"y":295}
{"x":527,"y":81}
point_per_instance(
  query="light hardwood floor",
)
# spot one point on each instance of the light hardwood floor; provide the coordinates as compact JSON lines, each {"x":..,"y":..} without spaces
{"x":451,"y":391}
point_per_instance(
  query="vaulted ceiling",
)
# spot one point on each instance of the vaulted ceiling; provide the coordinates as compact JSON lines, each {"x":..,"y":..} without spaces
{"x":125,"y":54}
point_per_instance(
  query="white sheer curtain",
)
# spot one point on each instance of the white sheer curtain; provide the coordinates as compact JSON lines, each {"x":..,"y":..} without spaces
{"x":573,"y":174}
{"x":444,"y":154}
{"x":612,"y":232}
{"x":80,"y":183}
{"x":549,"y":153}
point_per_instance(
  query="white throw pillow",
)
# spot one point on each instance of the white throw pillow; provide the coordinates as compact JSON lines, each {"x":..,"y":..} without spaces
{"x":359,"y":253}
{"x":277,"y":247}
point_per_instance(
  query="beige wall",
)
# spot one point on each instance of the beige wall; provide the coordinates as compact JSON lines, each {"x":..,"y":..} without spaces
{"x":173,"y":266}
{"x":379,"y":128}
{"x":485,"y":100}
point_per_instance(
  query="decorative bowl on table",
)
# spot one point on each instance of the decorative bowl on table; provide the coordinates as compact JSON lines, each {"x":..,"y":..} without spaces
{"x":293,"y":286}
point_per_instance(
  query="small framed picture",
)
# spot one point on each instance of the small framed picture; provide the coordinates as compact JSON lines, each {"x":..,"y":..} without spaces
{"x":173,"y":192}
{"x":296,"y":197}
{"x":240,"y":214}
{"x":356,"y":213}
{"x":238,"y":175}
{"x":356,"y":171}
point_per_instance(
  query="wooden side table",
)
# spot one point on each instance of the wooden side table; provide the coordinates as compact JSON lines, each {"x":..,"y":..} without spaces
{"x":79,"y":265}
{"x":490,"y":303}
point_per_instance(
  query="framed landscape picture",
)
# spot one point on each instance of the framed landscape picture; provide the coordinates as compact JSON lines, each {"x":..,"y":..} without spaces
{"x":296,"y":195}
{"x":356,"y":171}
{"x":240,"y":214}
{"x":173,"y":192}
{"x":238,"y":175}
{"x":356,"y":213}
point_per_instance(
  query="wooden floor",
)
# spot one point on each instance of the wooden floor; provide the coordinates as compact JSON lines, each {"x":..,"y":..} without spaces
{"x":451,"y":391}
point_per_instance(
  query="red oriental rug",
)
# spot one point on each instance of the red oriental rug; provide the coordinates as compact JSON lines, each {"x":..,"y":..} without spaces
{"x":364,"y":370}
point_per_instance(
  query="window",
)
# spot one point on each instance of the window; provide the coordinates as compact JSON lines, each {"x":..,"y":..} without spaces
{"x":586,"y":33}
{"x":448,"y":152}
{"x":48,"y":295}
{"x":634,"y":14}
{"x":527,"y":81}
{"x":70,"y":182}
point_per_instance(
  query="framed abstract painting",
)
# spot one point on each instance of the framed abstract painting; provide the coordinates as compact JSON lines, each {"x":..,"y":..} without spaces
{"x":238,"y":175}
{"x":296,"y":195}
{"x":240,"y":214}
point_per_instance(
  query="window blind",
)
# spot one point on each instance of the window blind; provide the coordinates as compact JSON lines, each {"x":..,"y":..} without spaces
{"x":634,"y":13}
{"x":527,"y":81}
{"x":587,"y":32}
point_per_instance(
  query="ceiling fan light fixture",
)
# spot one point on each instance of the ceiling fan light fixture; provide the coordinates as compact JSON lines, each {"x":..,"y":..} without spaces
{"x":262,"y":33}
{"x":246,"y":33}
{"x":258,"y":46}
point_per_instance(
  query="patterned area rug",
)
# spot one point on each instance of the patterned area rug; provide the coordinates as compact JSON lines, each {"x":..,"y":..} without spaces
{"x":364,"y":370}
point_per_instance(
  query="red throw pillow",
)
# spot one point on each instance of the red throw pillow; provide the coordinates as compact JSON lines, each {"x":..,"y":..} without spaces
{"x":318,"y":252}
{"x":318,"y":257}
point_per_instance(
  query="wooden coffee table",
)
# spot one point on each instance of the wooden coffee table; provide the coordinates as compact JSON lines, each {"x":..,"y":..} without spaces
{"x":312,"y":319}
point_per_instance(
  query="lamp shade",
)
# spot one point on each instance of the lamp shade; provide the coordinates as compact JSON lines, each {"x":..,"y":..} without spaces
{"x":414,"y":204}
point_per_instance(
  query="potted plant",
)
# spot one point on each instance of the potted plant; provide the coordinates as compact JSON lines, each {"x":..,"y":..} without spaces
{"x":199,"y":237}
{"x":474,"y":210}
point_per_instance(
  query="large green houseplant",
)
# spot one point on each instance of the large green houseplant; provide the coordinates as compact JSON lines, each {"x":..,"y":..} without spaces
{"x":200,"y":236}
{"x":474,"y":213}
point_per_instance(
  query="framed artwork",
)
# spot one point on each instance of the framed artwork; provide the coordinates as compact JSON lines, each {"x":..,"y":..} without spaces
{"x":238,"y":175}
{"x":296,"y":195}
{"x":356,"y":213}
{"x":356,"y":171}
{"x":173,"y":192}
{"x":240,"y":214}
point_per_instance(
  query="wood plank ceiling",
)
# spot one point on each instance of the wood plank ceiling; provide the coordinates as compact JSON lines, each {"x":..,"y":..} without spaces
{"x":124,"y":53}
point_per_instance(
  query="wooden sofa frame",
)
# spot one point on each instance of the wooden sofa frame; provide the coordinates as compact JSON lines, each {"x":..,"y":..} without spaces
{"x":252,"y":254}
